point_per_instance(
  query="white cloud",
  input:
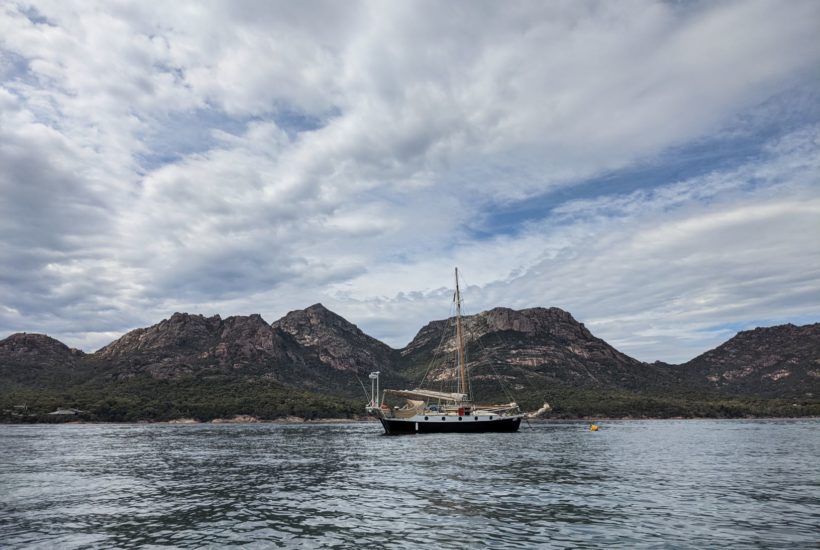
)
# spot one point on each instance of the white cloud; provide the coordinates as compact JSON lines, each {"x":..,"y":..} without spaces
{"x":727,"y":248}
{"x":343,"y":152}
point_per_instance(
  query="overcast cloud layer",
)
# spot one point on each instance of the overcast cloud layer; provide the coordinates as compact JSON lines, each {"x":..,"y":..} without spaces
{"x":651,"y":167}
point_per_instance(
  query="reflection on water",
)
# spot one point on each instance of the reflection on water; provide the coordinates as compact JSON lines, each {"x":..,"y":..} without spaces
{"x":634,"y":483}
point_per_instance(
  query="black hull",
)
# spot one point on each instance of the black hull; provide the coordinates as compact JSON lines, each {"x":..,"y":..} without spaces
{"x":401,"y":427}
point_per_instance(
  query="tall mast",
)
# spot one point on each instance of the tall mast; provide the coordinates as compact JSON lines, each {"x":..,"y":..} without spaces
{"x":462,"y":382}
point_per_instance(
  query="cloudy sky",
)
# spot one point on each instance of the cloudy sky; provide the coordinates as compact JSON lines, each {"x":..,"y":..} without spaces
{"x":651,"y":167}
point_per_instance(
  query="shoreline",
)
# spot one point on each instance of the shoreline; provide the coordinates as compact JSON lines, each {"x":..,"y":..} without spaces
{"x":297,"y":420}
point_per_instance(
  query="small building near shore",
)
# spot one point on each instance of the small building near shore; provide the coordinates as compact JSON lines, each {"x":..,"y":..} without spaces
{"x":65,"y":412}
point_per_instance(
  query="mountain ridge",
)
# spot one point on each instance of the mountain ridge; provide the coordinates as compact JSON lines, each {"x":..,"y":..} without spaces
{"x":533,"y":350}
{"x":787,"y":356}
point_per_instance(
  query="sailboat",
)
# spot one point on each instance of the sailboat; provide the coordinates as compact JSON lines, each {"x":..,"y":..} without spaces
{"x":428,"y":411}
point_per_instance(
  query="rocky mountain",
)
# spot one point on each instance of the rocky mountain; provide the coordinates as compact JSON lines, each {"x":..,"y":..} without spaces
{"x":178,"y":345}
{"x":339,"y":343}
{"x":182,"y":333}
{"x":774,"y":361}
{"x":37,"y":360}
{"x":27,"y":348}
{"x":312,"y":348}
{"x":531,"y":348}
{"x":313,"y":359}
{"x":241,"y":346}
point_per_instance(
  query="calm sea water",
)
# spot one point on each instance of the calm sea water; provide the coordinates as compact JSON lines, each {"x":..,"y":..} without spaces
{"x":697,"y":484}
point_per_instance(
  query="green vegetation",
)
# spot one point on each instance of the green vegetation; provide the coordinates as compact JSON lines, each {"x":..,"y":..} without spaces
{"x":567,"y":402}
{"x":147,"y":399}
{"x":96,"y":390}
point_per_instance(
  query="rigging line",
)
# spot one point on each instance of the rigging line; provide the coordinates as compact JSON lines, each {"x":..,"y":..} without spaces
{"x":369,"y":399}
{"x":525,"y":377}
{"x":469,"y":388}
{"x":507,"y":393}
{"x":483,"y":349}
{"x":451,"y":383}
{"x":437,"y":351}
{"x":464,"y":354}
{"x":484,"y":352}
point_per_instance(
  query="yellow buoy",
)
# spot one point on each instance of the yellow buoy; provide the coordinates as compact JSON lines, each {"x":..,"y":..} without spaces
{"x":593,"y":427}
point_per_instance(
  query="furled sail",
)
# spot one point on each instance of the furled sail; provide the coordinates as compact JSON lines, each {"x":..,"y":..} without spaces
{"x":429,"y":394}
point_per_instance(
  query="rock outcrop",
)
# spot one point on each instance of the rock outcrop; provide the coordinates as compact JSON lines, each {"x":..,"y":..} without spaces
{"x":38,"y":361}
{"x":317,"y":350}
{"x":182,"y":332}
{"x":339,"y":344}
{"x":774,"y":361}
{"x":186,"y":344}
{"x":24,"y":347}
{"x":530,"y":348}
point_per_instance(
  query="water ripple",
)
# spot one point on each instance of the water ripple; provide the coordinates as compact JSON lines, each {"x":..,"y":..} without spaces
{"x":647,"y":484}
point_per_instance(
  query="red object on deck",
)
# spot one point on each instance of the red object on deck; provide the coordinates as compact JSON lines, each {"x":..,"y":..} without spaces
{"x":461,"y":411}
